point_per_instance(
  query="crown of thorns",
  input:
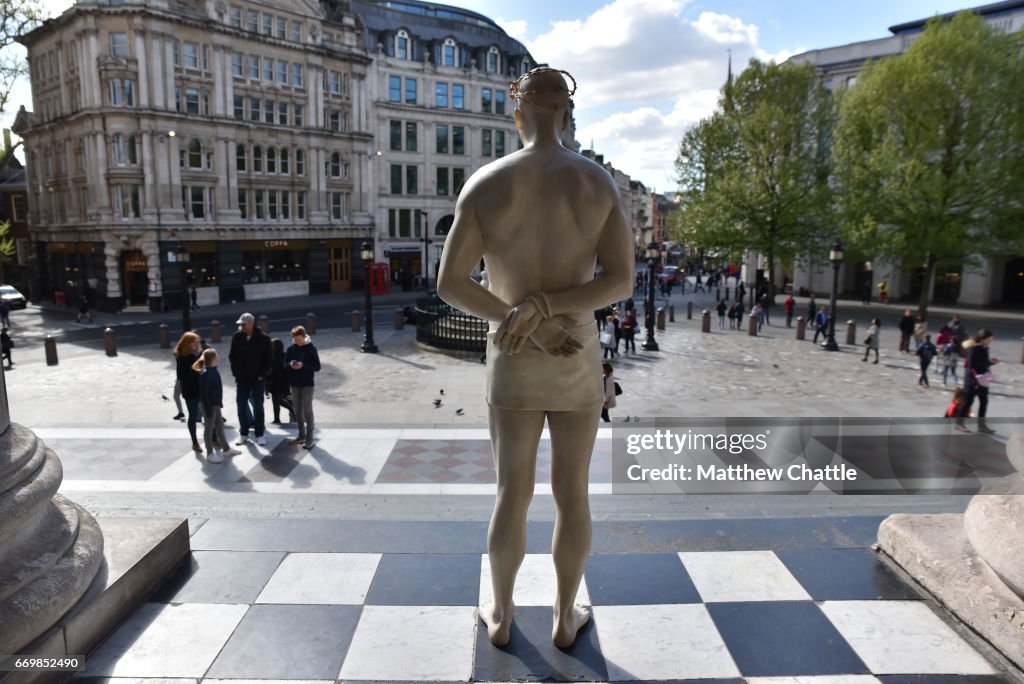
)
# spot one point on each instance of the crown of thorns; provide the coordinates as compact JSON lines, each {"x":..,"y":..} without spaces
{"x":520,"y":95}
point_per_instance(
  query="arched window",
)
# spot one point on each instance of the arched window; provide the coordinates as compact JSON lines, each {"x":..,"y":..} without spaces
{"x":271,"y":160}
{"x":335,"y":165}
{"x":300,"y":163}
{"x":257,"y":159}
{"x":284,"y":161}
{"x":240,"y":158}
{"x":449,"y":52}
{"x":195,"y":154}
{"x":493,"y":61}
{"x":403,"y":46}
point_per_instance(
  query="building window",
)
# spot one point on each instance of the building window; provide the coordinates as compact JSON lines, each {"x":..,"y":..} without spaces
{"x":410,"y":136}
{"x":499,"y":143}
{"x":282,"y":72}
{"x":499,"y":101}
{"x":449,"y":52}
{"x":271,"y":160}
{"x":492,"y":60}
{"x":128,"y":201}
{"x":394,"y":89}
{"x":396,"y":135}
{"x":441,"y":131}
{"x":334,"y":83}
{"x":257,"y":159}
{"x":282,"y":28}
{"x":282,"y":113}
{"x":392,"y":224}
{"x":402,"y":45}
{"x":458,"y":179}
{"x":255,"y":108}
{"x":396,"y":179}
{"x":486,"y":141}
{"x":254,"y":67}
{"x":237,"y":64}
{"x":334,"y":165}
{"x":125,"y":152}
{"x":122,"y":92}
{"x":240,"y":158}
{"x":235,"y":16}
{"x":206,"y":58}
{"x":485,"y":101}
{"x":191,"y":100}
{"x":252,"y":21}
{"x":268,"y":69}
{"x":191,"y":55}
{"x":239,"y":108}
{"x":411,"y":180}
{"x":442,"y":181}
{"x":119,"y":44}
{"x":243,"y":203}
{"x":300,"y":163}
{"x":336,"y":206}
{"x":271,"y":202}
{"x":458,"y":96}
{"x":268,"y":24}
{"x":410,"y":91}
{"x":269,"y":109}
{"x":260,"y":204}
{"x":286,"y":204}
{"x":299,"y":112}
{"x":300,"y":204}
{"x":334,"y":121}
{"x":194,"y":158}
{"x":296,"y":75}
{"x":441,"y":95}
{"x":284,"y":161}
{"x":458,"y":140}
{"x":194,"y":201}
{"x":296,"y":32}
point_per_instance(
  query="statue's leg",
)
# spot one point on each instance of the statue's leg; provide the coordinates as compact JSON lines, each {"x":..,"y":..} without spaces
{"x":572,"y":441}
{"x":514,"y":439}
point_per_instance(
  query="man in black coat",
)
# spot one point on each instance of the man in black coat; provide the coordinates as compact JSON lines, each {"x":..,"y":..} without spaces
{"x":252,"y":360}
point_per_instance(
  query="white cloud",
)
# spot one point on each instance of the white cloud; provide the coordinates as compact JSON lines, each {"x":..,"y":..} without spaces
{"x":516,"y":28}
{"x":722,"y":28}
{"x":780,"y":56}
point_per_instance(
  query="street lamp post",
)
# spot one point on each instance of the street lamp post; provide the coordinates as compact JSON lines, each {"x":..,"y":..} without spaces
{"x":366,"y":252}
{"x":836,"y":257}
{"x":426,"y":252}
{"x":652,"y":259}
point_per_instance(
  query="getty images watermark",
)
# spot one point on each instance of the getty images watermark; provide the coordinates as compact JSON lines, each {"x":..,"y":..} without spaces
{"x":805,"y":456}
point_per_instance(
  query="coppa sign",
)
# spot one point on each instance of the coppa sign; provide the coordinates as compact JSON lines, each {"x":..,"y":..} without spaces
{"x":275,"y":243}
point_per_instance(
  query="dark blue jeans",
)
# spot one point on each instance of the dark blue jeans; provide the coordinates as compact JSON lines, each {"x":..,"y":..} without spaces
{"x":250,"y":408}
{"x":193,"y":417}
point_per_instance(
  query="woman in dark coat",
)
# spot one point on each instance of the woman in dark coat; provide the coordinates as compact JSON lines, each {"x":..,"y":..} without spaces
{"x":185,"y":353}
{"x":976,"y":381}
{"x":277,"y":383}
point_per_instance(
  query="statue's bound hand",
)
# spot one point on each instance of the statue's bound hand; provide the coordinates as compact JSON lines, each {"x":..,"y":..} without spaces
{"x":554,"y":339}
{"x":519,"y":324}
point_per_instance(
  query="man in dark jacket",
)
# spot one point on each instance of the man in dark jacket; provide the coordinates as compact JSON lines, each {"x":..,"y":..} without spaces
{"x":906,"y":326}
{"x":252,"y":361}
{"x":303,"y":362}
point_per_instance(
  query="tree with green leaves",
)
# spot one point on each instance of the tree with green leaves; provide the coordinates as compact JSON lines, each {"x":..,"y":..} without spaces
{"x":929,"y":150}
{"x":753,"y":176}
{"x":17,"y":17}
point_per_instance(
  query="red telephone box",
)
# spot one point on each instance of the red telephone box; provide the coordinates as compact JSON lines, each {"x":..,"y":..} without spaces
{"x":380,"y":280}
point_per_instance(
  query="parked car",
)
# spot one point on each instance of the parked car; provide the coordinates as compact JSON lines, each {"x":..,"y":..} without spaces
{"x":672,"y":274}
{"x":11,"y":295}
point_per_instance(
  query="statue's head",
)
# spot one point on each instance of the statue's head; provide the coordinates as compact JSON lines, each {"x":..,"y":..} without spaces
{"x":542,"y":94}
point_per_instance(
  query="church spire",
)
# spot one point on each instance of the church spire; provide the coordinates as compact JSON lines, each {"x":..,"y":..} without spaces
{"x":727,"y":103}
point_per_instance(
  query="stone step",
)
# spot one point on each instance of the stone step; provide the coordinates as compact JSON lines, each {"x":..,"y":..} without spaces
{"x":26,"y":561}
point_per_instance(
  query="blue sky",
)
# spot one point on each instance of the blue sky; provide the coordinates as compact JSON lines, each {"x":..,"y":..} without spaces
{"x":648,"y":69}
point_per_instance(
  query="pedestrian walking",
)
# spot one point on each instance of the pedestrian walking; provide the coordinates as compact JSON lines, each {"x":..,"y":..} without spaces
{"x":608,"y":337}
{"x":194,"y":298}
{"x":83,"y":310}
{"x":758,"y":313}
{"x":251,"y":360}
{"x":812,"y":309}
{"x":977,"y":378}
{"x":211,"y":401}
{"x":950,"y":357}
{"x":920,"y":331}
{"x":740,"y":311}
{"x":722,"y":309}
{"x":925,"y":353}
{"x":741,"y":292}
{"x":821,"y":324}
{"x":186,"y":353}
{"x":766,"y":308}
{"x":5,"y":313}
{"x":617,"y":320}
{"x":629,"y":328}
{"x":790,"y":307}
{"x":871,"y":341}
{"x":906,"y":327}
{"x":698,"y":286}
{"x":866,"y":293}
{"x":303,"y":362}
{"x":883,"y":292}
{"x":959,"y":332}
{"x":6,"y":345}
{"x":277,"y":383}
{"x":610,"y":388}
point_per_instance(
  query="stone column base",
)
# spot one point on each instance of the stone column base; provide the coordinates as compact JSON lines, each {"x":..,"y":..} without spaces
{"x":935,"y":551}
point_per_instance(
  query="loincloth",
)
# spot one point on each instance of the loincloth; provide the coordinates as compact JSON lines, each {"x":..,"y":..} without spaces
{"x":534,"y":380}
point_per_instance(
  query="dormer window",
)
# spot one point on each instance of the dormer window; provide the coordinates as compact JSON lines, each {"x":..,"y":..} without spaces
{"x":402,"y":50}
{"x":493,"y":60}
{"x":448,"y":51}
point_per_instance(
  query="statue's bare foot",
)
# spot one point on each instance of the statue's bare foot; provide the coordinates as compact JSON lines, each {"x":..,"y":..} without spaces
{"x":499,"y":623}
{"x":568,"y":626}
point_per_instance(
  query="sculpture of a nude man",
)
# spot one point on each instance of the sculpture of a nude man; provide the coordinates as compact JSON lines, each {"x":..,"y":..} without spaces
{"x":541,"y":218}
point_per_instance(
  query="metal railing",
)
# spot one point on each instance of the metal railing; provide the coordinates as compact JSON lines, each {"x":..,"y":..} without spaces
{"x":442,"y":326}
